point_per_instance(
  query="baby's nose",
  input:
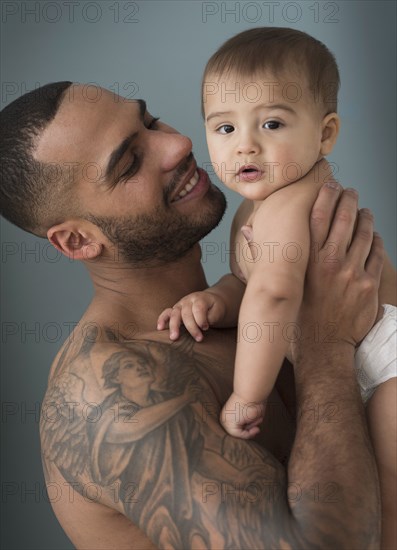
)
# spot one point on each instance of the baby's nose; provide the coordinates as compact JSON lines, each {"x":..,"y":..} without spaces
{"x":248,"y":145}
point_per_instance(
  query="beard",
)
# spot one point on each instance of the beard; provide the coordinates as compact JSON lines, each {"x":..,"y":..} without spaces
{"x":161,"y":237}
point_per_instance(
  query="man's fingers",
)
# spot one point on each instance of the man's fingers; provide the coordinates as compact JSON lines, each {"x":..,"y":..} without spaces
{"x":343,"y":224}
{"x":322,"y":213}
{"x":362,"y":239}
{"x":246,"y":230}
{"x":376,"y":258}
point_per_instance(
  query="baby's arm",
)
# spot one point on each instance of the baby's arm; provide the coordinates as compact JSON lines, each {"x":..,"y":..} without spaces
{"x":270,"y":305}
{"x":217,"y":306}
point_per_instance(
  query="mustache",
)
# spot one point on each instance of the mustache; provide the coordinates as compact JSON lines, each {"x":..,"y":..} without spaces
{"x":179,"y":175}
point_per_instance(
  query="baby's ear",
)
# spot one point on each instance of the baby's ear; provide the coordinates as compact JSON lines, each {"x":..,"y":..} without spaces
{"x":330,"y":130}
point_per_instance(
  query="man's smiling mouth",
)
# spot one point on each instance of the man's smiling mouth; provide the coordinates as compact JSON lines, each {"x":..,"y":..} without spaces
{"x":188,"y":187}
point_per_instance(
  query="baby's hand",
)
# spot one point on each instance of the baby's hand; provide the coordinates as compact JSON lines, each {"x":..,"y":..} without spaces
{"x":197,"y":311}
{"x":242,"y":419}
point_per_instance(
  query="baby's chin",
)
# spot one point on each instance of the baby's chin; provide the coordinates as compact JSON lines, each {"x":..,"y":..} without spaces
{"x":257,"y":190}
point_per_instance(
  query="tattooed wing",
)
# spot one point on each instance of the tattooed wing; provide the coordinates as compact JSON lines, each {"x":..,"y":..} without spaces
{"x":63,"y":425}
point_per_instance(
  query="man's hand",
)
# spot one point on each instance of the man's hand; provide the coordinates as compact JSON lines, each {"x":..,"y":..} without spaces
{"x":343,"y":275}
{"x":197,"y":311}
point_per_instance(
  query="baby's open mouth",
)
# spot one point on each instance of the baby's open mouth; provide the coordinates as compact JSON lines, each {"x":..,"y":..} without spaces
{"x":249,"y":172}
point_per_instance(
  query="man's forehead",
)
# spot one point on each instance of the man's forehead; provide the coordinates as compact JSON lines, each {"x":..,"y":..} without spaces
{"x":88,"y":115}
{"x":93,"y":102}
{"x":89,"y":96}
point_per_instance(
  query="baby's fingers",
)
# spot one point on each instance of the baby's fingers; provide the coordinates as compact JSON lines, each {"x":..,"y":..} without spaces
{"x":190,"y":322}
{"x":249,"y":432}
{"x":175,"y":322}
{"x":170,"y":318}
{"x":164,"y":317}
{"x":200,"y":314}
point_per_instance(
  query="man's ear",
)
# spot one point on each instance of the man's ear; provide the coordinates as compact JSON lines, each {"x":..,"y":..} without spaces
{"x":76,"y":239}
{"x":330,"y":130}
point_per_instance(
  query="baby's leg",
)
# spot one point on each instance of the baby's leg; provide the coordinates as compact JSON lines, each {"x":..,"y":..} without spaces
{"x":376,"y":365}
{"x":387,"y":288}
{"x":382,"y":423}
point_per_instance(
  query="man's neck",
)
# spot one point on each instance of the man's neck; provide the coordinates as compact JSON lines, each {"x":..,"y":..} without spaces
{"x":127,"y":294}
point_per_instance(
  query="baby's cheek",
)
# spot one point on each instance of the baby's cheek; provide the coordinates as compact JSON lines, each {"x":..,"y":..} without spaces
{"x":289,"y":167}
{"x":213,"y":151}
{"x":295,"y":162}
{"x":285,"y":157}
{"x":218,"y":164}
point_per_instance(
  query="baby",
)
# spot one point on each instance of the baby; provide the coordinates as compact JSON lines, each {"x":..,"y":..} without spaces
{"x":270,"y":110}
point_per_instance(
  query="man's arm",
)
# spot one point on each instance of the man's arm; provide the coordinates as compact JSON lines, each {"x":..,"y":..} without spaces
{"x":338,"y":470}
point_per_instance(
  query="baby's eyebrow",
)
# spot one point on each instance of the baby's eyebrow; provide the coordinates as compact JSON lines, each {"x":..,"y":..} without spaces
{"x":269,"y":106}
{"x":281,"y":106}
{"x":218,"y":114}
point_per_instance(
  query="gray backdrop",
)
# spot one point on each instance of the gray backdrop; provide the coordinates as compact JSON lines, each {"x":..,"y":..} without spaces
{"x":157,"y":50}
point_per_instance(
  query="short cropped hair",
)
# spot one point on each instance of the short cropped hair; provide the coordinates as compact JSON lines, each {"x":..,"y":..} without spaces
{"x":32,"y":194}
{"x":279,"y":50}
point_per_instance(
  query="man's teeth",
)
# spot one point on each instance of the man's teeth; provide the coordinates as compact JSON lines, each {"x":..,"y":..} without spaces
{"x":189,"y":186}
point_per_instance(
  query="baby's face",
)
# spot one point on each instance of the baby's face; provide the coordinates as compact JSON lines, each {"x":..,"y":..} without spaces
{"x":262,"y":133}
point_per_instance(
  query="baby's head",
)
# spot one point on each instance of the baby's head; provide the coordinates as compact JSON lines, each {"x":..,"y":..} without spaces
{"x":269,"y":100}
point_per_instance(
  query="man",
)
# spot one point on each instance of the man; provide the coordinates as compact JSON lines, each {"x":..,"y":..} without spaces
{"x":129,"y":423}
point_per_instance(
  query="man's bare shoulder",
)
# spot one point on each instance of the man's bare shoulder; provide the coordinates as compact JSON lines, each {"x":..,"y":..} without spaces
{"x":134,"y":425}
{"x":93,"y":348}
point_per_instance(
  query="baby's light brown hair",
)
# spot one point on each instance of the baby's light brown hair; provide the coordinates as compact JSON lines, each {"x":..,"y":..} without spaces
{"x":278,"y":51}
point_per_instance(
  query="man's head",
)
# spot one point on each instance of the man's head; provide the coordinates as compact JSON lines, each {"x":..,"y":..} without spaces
{"x":28,"y":185}
{"x":124,"y":179}
{"x":269,"y":103}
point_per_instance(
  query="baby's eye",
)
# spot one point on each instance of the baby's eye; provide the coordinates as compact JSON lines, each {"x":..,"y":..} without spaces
{"x":225,"y":129}
{"x":272,"y":125}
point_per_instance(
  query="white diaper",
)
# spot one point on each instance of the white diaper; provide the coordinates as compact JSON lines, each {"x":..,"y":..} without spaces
{"x":376,"y":357}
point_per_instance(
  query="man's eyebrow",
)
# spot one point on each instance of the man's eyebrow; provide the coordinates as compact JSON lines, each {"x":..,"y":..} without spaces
{"x":118,"y":153}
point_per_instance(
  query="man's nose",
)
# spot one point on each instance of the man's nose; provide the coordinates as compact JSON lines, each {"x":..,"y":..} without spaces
{"x":171,"y":149}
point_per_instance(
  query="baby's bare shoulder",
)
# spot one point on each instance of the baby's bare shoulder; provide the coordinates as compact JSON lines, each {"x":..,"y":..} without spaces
{"x":243,"y":213}
{"x":296,"y":199}
{"x":242,"y":217}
